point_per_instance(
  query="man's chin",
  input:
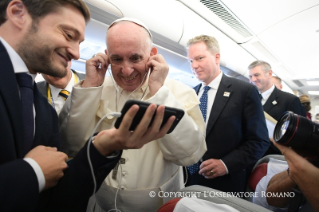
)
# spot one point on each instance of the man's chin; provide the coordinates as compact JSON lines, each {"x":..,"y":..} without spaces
{"x":56,"y":72}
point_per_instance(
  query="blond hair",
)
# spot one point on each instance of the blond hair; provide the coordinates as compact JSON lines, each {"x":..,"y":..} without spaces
{"x":211,"y":43}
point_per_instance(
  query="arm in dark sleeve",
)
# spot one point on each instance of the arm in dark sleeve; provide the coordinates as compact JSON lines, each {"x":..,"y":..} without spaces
{"x":255,"y":141}
{"x":19,"y":189}
{"x":75,"y":188}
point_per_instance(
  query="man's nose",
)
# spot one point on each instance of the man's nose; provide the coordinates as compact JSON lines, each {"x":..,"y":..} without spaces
{"x":127,"y":68}
{"x":194,"y":65}
{"x":74,"y":51}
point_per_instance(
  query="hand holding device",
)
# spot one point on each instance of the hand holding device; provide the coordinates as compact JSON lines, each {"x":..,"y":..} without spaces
{"x":108,"y":141}
{"x":169,"y":111}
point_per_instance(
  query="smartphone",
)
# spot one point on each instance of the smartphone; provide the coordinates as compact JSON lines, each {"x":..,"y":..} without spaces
{"x":169,"y":111}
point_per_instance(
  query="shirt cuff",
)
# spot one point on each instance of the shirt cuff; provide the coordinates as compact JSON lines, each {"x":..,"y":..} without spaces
{"x":38,"y":171}
{"x":225,"y":166}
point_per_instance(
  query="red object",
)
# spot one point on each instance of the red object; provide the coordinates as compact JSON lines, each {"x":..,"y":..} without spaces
{"x":259,"y":172}
{"x":169,"y":206}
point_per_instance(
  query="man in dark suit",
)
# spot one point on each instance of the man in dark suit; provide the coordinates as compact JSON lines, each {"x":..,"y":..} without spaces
{"x":275,"y":102}
{"x":57,"y":89}
{"x":34,"y":175}
{"x":236,"y":133}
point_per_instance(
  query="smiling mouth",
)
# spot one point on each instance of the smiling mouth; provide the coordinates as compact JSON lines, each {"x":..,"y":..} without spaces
{"x":129,"y":78}
{"x":66,"y":58}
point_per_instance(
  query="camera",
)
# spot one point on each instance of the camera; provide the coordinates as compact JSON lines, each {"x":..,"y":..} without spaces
{"x":297,"y":132}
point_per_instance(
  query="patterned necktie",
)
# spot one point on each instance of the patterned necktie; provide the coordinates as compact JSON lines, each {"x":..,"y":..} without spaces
{"x":203,"y":108}
{"x":65,"y":94}
{"x":203,"y":102}
{"x":26,"y":92}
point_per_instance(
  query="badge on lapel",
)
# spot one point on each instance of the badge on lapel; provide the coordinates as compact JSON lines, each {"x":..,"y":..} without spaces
{"x":226,"y":94}
{"x":274,"y":102}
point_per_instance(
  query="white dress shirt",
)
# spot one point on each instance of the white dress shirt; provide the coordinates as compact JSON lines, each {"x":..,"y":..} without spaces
{"x":211,"y":98}
{"x":211,"y":93}
{"x":58,"y":101}
{"x":266,"y":94}
{"x":20,"y":67}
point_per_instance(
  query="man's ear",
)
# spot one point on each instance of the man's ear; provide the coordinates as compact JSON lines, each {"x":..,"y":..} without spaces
{"x":217,"y":58}
{"x":108,"y":58}
{"x":153,"y":51}
{"x":17,"y":13}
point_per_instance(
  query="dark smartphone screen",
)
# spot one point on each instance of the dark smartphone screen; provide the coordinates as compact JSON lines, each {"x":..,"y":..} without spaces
{"x":169,"y":111}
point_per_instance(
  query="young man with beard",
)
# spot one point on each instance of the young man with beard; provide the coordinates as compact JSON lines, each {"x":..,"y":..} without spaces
{"x":138,"y":73}
{"x":43,"y":36}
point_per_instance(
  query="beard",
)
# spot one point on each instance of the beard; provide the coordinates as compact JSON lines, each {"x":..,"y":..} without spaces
{"x":36,"y":53}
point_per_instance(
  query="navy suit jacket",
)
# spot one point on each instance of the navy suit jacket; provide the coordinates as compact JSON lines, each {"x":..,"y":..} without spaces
{"x":19,"y":190}
{"x":236,"y":133}
{"x":280,"y":102}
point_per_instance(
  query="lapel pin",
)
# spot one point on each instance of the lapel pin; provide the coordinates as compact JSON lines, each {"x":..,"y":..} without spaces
{"x":274,"y":102}
{"x":226,"y":94}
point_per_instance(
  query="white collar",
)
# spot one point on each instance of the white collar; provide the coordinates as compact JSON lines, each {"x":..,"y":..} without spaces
{"x":267,"y":93}
{"x":215,"y":83}
{"x":55,"y":91}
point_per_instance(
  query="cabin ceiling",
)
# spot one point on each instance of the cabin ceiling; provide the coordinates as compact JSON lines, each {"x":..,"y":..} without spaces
{"x":289,"y":30}
{"x":284,"y":33}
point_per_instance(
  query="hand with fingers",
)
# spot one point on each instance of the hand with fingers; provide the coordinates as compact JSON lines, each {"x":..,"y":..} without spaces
{"x":111,"y":140}
{"x":302,"y":172}
{"x":212,"y":168}
{"x":51,"y":162}
{"x":96,"y":68}
{"x":159,"y":71}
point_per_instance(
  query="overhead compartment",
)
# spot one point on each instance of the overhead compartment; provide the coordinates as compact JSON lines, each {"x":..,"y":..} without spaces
{"x":233,"y":56}
{"x":162,"y":16}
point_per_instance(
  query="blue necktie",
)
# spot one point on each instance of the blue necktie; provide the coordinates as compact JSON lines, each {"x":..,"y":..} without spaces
{"x":203,"y":108}
{"x":26,"y":92}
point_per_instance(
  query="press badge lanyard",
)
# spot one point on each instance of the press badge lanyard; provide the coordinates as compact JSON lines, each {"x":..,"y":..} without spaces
{"x":50,"y":98}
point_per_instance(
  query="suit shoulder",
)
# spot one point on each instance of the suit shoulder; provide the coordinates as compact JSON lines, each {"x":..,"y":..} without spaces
{"x":79,"y":74}
{"x":240,"y":84}
{"x":286,"y":95}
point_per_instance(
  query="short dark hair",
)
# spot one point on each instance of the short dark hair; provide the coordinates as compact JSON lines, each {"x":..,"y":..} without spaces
{"x":40,"y":8}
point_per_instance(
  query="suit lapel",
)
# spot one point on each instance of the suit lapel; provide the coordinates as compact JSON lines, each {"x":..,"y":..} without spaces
{"x":271,"y":101}
{"x":11,"y":98}
{"x":197,"y":88}
{"x":220,"y":102}
{"x":41,"y":121}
